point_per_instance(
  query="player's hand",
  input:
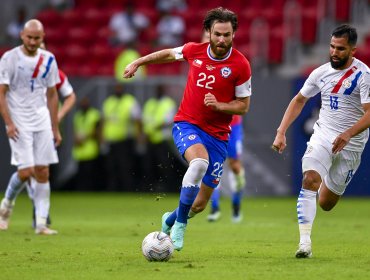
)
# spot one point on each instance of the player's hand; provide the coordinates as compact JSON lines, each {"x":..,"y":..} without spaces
{"x":57,"y":137}
{"x":210,"y":100}
{"x":130,"y":71}
{"x":340,"y":142}
{"x":12,"y":132}
{"x":279,"y":143}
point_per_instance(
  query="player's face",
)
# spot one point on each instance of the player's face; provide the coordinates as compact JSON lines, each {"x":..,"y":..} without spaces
{"x":340,"y":53}
{"x":221,"y":39}
{"x":32,"y":39}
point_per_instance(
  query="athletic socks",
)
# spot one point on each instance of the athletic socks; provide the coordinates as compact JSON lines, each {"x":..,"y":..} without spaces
{"x":306,"y":212}
{"x":215,"y":200}
{"x":42,"y":202}
{"x":14,"y":187}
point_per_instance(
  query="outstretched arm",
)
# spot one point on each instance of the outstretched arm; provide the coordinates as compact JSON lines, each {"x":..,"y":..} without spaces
{"x":162,"y":56}
{"x":292,"y":112}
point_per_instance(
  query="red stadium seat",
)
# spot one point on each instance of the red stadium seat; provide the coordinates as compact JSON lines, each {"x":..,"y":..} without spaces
{"x":49,"y":18}
{"x":83,"y":35}
{"x":77,"y":54}
{"x":55,"y":35}
{"x":72,"y":17}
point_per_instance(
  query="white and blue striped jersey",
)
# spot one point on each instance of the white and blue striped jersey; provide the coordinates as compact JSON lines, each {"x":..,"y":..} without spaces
{"x":342,"y":94}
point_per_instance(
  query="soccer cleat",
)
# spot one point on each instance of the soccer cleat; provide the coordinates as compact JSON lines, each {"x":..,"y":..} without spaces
{"x":214,"y":216}
{"x":304,"y":251}
{"x":166,"y":228}
{"x":237,"y":218}
{"x":6,"y":209}
{"x":177,"y":235}
{"x":43,"y":230}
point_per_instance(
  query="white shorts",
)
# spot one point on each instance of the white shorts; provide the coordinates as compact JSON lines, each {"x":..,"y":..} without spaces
{"x":336,"y":170}
{"x":33,"y":149}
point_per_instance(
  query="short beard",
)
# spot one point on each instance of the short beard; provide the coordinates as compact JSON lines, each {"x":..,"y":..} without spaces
{"x":218,"y":53}
{"x":338,"y":64}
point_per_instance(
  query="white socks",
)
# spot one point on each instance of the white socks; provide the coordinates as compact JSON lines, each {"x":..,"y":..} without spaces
{"x":41,"y":199}
{"x":306,"y":211}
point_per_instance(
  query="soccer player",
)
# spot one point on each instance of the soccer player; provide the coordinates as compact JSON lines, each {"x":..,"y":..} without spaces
{"x":67,"y":94}
{"x":27,"y":75}
{"x":235,"y":177}
{"x":334,"y":151}
{"x":218,"y":86}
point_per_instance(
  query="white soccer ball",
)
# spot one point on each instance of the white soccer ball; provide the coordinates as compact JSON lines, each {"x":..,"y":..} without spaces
{"x":157,"y":246}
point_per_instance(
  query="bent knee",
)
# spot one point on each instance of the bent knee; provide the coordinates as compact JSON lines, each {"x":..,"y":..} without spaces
{"x":311,"y":180}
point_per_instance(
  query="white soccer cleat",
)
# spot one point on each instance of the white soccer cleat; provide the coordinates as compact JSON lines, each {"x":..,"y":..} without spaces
{"x":236,"y":219}
{"x":6,"y":208}
{"x":43,"y":230}
{"x":214,"y":216}
{"x":304,"y":251}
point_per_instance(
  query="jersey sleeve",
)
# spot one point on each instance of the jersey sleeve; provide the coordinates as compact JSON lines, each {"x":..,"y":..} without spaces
{"x":182,"y":53}
{"x":65,"y":88}
{"x":53,"y":78}
{"x":5,"y":70}
{"x":365,"y":88}
{"x":310,"y":87}
{"x":244,"y":83}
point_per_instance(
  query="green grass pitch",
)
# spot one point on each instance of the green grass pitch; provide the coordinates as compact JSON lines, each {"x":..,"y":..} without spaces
{"x":100,"y":237}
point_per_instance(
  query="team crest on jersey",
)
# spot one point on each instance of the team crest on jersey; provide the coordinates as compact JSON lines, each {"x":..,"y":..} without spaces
{"x":210,"y":67}
{"x":192,"y":137}
{"x":225,"y":72}
{"x":347,"y":83}
{"x":197,"y":63}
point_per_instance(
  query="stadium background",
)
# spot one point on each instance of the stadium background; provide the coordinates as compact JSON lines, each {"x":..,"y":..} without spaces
{"x":281,"y":57}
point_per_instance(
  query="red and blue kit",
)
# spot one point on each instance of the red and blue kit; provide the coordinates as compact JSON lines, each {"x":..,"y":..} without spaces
{"x":225,"y":78}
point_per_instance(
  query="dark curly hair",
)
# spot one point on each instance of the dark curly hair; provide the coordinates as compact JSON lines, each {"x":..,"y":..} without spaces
{"x":220,"y":14}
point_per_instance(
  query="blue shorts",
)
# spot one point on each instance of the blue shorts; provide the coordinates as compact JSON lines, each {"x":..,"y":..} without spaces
{"x":186,"y":135}
{"x":235,"y":146}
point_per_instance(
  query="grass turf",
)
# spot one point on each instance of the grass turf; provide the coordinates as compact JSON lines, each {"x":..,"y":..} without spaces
{"x":100,"y":237}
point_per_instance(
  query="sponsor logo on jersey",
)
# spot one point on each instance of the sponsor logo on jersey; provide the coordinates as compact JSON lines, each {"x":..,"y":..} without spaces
{"x":192,"y":137}
{"x":225,"y":72}
{"x":210,"y":67}
{"x":197,"y":63}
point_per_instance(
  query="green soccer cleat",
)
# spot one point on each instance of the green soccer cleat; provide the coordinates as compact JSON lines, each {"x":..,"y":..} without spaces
{"x":166,"y":228}
{"x":177,"y":235}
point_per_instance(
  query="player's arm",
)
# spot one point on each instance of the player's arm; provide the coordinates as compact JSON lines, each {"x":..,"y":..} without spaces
{"x":292,"y":112}
{"x":239,"y":106}
{"x":162,"y":56}
{"x":68,"y":102}
{"x":11,"y":129}
{"x":52,"y":102}
{"x":363,"y":123}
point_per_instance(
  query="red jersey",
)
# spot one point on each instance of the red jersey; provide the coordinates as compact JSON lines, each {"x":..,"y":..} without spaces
{"x":237,"y":119}
{"x":225,"y":78}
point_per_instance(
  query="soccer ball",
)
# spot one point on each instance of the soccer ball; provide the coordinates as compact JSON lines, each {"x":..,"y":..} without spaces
{"x":157,"y":246}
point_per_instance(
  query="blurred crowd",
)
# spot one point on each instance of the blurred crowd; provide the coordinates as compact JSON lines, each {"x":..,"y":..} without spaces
{"x":123,"y":146}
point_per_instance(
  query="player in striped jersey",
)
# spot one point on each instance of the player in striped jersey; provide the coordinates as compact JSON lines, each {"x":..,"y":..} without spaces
{"x":29,"y":107}
{"x":334,"y":151}
{"x":218,"y":86}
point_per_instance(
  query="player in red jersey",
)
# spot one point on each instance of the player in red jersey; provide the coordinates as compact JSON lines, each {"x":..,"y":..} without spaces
{"x":218,"y":86}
